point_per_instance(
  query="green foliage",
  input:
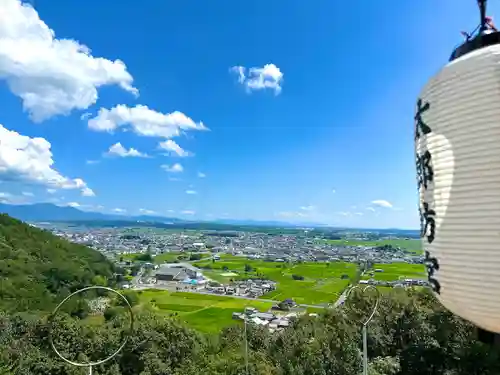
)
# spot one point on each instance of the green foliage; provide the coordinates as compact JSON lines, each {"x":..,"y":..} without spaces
{"x":411,"y":333}
{"x":146,"y":257}
{"x":195,"y":257}
{"x":38,"y":268}
{"x":131,"y":297}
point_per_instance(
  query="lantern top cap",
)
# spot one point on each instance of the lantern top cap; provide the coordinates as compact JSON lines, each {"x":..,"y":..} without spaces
{"x":484,"y":35}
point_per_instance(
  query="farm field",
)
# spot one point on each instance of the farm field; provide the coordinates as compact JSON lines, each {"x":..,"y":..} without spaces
{"x":322,"y":282}
{"x":204,"y":312}
{"x":395,"y":271}
{"x":411,"y":245}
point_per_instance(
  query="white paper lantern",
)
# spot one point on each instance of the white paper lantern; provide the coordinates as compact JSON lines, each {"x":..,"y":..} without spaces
{"x":457,"y":136}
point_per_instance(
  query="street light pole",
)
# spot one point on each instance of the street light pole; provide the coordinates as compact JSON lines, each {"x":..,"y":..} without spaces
{"x":365,"y":323}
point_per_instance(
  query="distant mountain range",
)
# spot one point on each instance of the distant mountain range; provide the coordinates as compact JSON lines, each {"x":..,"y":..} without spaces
{"x":51,"y":212}
{"x":40,"y":212}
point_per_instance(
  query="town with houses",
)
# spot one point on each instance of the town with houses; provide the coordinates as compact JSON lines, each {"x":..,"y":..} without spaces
{"x":117,"y":243}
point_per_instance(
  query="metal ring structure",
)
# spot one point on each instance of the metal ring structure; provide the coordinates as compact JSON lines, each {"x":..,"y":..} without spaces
{"x":90,"y":364}
{"x":363,"y":292}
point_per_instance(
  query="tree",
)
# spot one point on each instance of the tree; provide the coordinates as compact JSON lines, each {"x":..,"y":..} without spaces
{"x":195,"y":257}
{"x":131,"y":296}
{"x":146,"y":257}
{"x":248,"y":268}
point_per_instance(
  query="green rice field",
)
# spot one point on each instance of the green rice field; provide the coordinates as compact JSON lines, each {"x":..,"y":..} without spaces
{"x":322,"y":282}
{"x":204,"y":312}
{"x":395,"y":271}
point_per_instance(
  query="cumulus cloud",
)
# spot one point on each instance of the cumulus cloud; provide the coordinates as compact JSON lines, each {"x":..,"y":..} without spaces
{"x":174,"y":148}
{"x":192,"y":192}
{"x":119,"y":210}
{"x":267,"y":77}
{"x":176,"y":168}
{"x":30,"y":160}
{"x":51,"y":76}
{"x":147,"y":212}
{"x":143,"y":121}
{"x":201,"y":175}
{"x":87,"y":192}
{"x":382,"y":203}
{"x":73,"y":204}
{"x":118,"y":150}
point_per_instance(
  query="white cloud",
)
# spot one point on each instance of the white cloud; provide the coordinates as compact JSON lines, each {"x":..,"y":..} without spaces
{"x":51,"y":191}
{"x":147,"y":212}
{"x":174,"y":179}
{"x":73,"y":204}
{"x":143,"y":121}
{"x":118,"y":150}
{"x":30,"y":160}
{"x":51,"y":76}
{"x":119,"y":210}
{"x":191,"y":192}
{"x":174,"y":148}
{"x":370,"y":209}
{"x":4,"y":196}
{"x":176,"y":168}
{"x":188,"y":212}
{"x":170,"y":211}
{"x":308,"y":208}
{"x":92,"y":161}
{"x":87,"y":192}
{"x":201,"y":175}
{"x":382,"y":203}
{"x":267,"y":77}
{"x":344,"y":213}
{"x":28,"y":194}
{"x":358,"y":214}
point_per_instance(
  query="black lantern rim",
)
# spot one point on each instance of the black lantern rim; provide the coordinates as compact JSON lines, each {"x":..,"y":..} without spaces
{"x":480,"y":41}
{"x":487,"y":35}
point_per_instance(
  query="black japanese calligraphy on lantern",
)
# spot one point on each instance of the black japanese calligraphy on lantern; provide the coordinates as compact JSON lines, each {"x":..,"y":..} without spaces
{"x":425,"y":176}
{"x":425,"y":173}
{"x":432,"y":266}
{"x":427,"y":222}
{"x":421,"y":128}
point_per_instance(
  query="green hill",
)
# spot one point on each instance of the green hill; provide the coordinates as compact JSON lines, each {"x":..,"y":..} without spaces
{"x":38,"y":268}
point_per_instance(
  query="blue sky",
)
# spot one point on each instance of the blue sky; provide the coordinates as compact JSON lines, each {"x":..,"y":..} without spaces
{"x":319,"y":130}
